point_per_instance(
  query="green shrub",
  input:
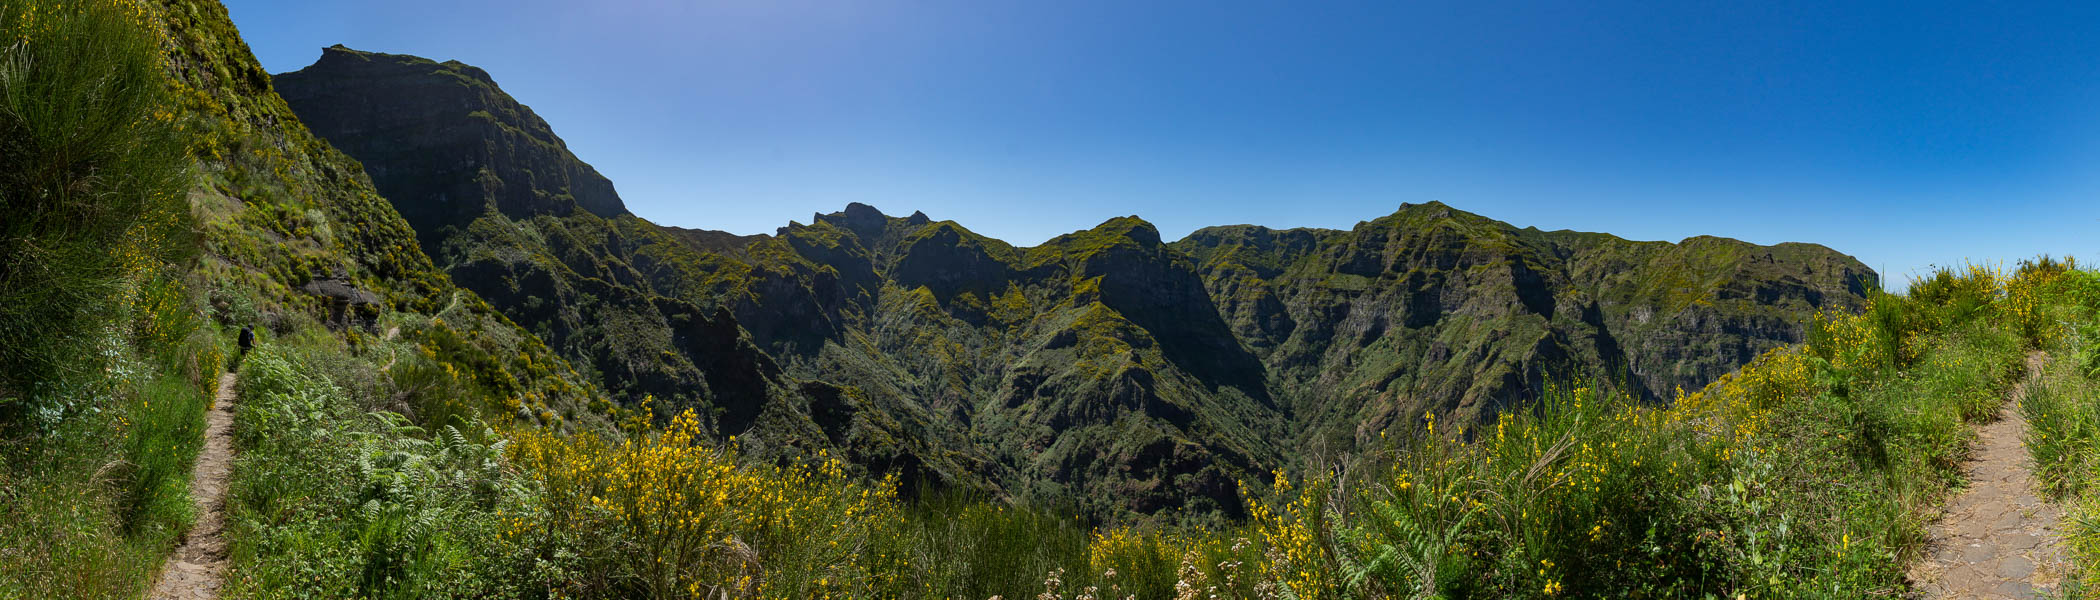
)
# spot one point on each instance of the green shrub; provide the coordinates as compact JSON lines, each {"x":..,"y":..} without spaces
{"x":103,"y":493}
{"x":330,"y":500}
{"x":1012,"y":549}
{"x":2063,"y":415}
{"x":105,"y":361}
{"x":91,"y":173}
{"x":1809,"y":473}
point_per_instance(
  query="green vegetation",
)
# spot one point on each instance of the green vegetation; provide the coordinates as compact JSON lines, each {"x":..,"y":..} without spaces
{"x":106,"y":357}
{"x":93,"y":176}
{"x":279,"y":209}
{"x":333,"y":496}
{"x":331,"y":501}
{"x":1008,"y":411}
{"x":1809,"y":473}
{"x":2063,"y":414}
{"x":128,"y":129}
{"x":1104,"y":368}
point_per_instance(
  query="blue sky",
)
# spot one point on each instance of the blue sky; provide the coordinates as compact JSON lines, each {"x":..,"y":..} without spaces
{"x":1903,"y":133}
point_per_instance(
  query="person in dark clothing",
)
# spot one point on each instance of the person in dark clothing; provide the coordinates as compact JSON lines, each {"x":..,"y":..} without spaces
{"x":247,"y":339}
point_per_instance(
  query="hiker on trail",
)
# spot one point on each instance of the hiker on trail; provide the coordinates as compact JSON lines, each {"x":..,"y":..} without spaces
{"x":247,"y":339}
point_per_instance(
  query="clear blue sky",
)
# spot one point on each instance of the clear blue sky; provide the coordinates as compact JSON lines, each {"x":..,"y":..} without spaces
{"x":1903,"y":133}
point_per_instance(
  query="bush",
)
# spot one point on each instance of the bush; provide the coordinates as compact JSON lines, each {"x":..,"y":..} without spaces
{"x":2063,"y":415}
{"x":1809,"y":472}
{"x":333,"y":501}
{"x":105,"y":361}
{"x":91,"y":173}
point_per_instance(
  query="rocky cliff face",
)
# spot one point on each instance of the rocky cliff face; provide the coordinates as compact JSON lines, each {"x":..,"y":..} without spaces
{"x":1105,"y":368}
{"x":500,"y":155}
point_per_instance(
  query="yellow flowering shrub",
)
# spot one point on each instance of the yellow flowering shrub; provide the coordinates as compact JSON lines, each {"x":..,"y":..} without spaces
{"x":1292,"y":532}
{"x":692,"y":522}
{"x":1721,"y":491}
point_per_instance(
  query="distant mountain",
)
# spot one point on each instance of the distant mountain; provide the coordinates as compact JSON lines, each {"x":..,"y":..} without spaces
{"x":1104,"y":368}
{"x":1435,"y":309}
{"x":510,"y":160}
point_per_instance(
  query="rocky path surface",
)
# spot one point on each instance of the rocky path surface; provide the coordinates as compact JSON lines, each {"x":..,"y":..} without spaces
{"x":1998,"y":539}
{"x":193,"y":572}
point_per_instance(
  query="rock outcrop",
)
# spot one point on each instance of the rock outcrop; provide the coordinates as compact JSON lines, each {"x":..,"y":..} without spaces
{"x":499,"y":154}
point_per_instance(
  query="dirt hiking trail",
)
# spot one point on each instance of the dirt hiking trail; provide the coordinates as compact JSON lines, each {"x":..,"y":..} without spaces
{"x":194,"y":571}
{"x":1998,"y":539}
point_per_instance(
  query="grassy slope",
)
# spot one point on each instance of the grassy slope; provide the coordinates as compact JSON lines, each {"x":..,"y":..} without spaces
{"x":636,"y":307}
{"x":279,"y":208}
{"x":1432,"y":309}
{"x":2063,"y":415}
{"x":216,"y":205}
{"x":105,"y":356}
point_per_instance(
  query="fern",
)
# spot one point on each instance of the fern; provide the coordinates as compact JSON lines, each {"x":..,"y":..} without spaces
{"x":1397,"y":551}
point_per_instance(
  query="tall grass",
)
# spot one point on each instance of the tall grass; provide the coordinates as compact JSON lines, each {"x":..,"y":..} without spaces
{"x":2063,"y":415}
{"x":91,"y":173}
{"x":106,"y":357}
{"x":89,"y":510}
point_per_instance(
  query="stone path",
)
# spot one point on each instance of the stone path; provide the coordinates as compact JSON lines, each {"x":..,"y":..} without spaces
{"x":1998,"y":539}
{"x":193,"y":572}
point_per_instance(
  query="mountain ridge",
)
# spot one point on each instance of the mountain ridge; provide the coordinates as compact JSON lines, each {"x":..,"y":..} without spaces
{"x":1105,"y":367}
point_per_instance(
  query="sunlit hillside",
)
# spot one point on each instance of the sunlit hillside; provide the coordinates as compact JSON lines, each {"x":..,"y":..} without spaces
{"x":445,"y":361}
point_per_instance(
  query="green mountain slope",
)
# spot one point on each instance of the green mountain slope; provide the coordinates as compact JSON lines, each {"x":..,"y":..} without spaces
{"x":1433,"y":309}
{"x":293,"y":227}
{"x":1104,"y":368}
{"x":650,"y":313}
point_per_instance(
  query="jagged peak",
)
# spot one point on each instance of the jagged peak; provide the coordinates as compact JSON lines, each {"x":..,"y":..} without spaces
{"x":339,"y":56}
{"x":854,"y":212}
{"x":1129,"y":232}
{"x":862,"y":220}
{"x":1132,"y":227}
{"x":858,"y":210}
{"x":941,"y":229}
